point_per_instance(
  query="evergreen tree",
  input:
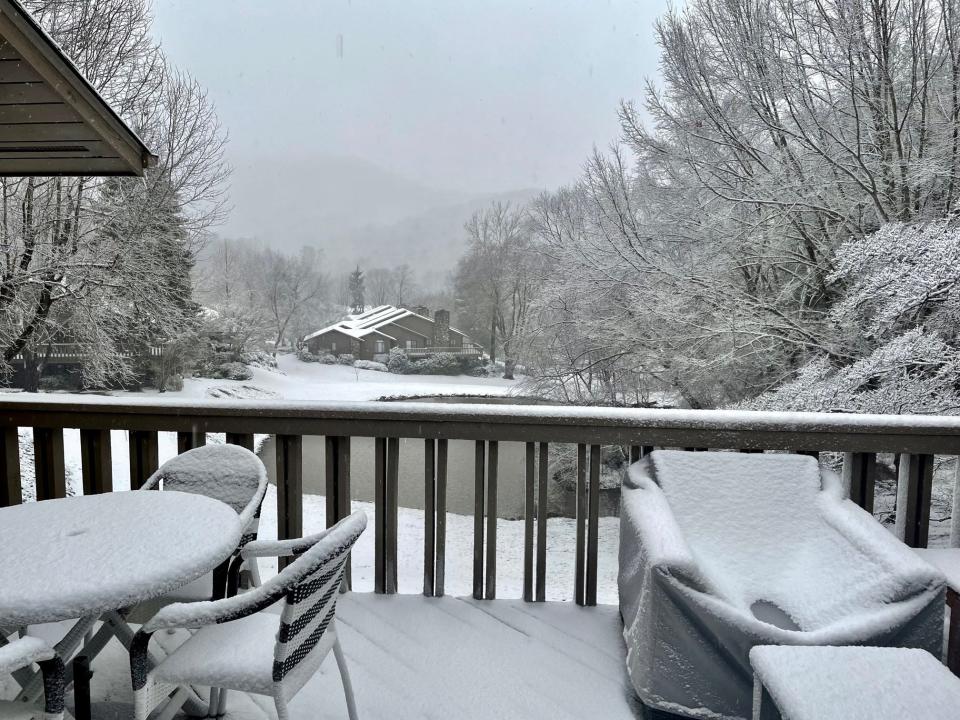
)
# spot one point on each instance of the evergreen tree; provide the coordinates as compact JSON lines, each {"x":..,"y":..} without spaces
{"x":356,"y":290}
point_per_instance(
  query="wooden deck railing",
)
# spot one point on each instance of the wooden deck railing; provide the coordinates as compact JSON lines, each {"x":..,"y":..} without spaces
{"x":860,"y":437}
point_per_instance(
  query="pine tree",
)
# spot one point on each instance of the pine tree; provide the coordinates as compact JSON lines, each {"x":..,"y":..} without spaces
{"x":356,"y":290}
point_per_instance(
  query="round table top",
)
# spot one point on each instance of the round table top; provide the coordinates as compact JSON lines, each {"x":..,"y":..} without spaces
{"x":74,"y":557}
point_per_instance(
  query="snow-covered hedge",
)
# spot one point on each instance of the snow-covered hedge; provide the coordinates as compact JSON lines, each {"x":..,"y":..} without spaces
{"x":260,"y":358}
{"x":398,"y":362}
{"x":370,"y":365}
{"x":304,"y":355}
{"x":346,"y":359}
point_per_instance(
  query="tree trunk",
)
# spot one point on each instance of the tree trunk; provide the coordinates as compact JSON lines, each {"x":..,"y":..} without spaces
{"x":493,"y":338}
{"x":508,"y":365}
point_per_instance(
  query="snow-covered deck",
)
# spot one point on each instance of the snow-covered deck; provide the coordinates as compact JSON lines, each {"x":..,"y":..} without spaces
{"x":417,"y":657}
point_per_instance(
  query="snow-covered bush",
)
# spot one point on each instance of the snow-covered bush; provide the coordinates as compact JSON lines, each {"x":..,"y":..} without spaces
{"x":398,"y":362}
{"x":233,"y":371}
{"x":260,"y":358}
{"x":370,"y":365}
{"x":345,"y":359}
{"x":304,"y":355}
{"x":437,"y":364}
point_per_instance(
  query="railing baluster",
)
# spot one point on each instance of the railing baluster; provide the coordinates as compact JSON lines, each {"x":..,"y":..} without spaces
{"x":441,"y":515}
{"x":634,"y":454}
{"x":10,"y":492}
{"x":393,"y":511}
{"x":579,"y":570}
{"x":289,"y":488}
{"x":190,"y":439}
{"x":914,"y":484}
{"x":478,"y":506}
{"x":529,"y":512}
{"x":380,"y":514}
{"x":429,"y":515}
{"x":490,"y":590}
{"x":97,"y":461}
{"x":593,"y":526}
{"x":48,"y":463}
{"x":337,"y":485}
{"x":241,"y":439}
{"x":859,"y":476}
{"x":955,"y":525}
{"x":542,"y":512}
{"x":144,"y":456}
{"x":343,"y":496}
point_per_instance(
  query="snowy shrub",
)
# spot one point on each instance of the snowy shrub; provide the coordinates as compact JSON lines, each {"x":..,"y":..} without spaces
{"x":370,"y":365}
{"x":174,"y":383}
{"x":398,"y":362}
{"x":260,"y":358}
{"x":346,"y":359}
{"x":234,"y":371}
{"x":304,"y":355}
{"x":437,"y":364}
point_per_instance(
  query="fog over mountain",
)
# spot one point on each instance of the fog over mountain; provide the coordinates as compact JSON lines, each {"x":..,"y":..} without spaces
{"x":356,"y":212}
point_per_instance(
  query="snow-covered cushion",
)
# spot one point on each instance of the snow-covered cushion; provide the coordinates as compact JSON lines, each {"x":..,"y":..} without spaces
{"x":238,"y":654}
{"x":723,"y":551}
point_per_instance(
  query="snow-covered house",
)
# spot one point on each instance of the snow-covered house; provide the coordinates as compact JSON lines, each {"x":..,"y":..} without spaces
{"x":377,"y":331}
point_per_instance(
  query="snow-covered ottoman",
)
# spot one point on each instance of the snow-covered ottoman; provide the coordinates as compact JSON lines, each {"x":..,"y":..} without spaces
{"x":723,"y":551}
{"x":851,"y":683}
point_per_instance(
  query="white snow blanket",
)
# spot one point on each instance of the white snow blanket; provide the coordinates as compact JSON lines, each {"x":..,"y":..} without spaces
{"x":723,"y":551}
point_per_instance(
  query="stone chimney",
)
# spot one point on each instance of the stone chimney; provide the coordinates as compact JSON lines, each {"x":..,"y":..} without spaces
{"x":441,"y":328}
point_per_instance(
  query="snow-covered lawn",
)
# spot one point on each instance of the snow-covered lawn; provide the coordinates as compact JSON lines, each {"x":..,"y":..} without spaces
{"x":296,"y":380}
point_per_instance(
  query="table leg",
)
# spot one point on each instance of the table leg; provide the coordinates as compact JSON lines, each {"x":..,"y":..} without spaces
{"x":66,"y":649}
{"x":953,"y":634}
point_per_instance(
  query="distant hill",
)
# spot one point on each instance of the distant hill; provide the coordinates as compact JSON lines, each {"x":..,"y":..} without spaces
{"x":431,"y":241}
{"x":356,"y":211}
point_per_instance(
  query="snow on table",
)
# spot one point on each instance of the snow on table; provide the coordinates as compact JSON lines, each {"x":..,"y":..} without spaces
{"x":856,"y":683}
{"x":81,"y":556}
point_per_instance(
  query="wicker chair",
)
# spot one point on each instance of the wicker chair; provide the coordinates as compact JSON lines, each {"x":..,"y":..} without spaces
{"x":228,"y":473}
{"x":237,"y":647}
{"x":22,"y":653}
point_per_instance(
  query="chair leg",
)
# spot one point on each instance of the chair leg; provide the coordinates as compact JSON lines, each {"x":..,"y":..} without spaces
{"x":214,"y":702}
{"x":222,"y":704}
{"x":254,"y":570}
{"x":345,"y":677}
{"x":281,"y":704}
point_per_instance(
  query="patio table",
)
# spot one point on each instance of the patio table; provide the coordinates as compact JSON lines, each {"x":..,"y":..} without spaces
{"x":89,"y":557}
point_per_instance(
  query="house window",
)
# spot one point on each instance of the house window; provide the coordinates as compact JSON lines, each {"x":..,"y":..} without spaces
{"x":333,"y":346}
{"x":411,"y":344}
{"x":379,"y":347}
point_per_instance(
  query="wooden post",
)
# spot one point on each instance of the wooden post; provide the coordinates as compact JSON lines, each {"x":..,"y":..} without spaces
{"x":859,"y":475}
{"x":914,"y":484}
{"x":241,"y":439}
{"x":289,"y":488}
{"x":579,"y":572}
{"x":429,"y":515}
{"x":393,"y":510}
{"x":190,"y":439}
{"x":490,"y":589}
{"x":593,"y":526}
{"x":97,"y":462}
{"x":953,"y":633}
{"x":344,"y":505}
{"x":441,"y":515}
{"x":529,"y":512}
{"x":10,"y":492}
{"x":144,"y":456}
{"x":542,"y":512}
{"x":478,"y":505}
{"x":48,"y":463}
{"x":380,"y":515}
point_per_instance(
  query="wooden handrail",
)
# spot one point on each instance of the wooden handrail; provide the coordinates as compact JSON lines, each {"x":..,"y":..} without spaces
{"x":915,"y":438}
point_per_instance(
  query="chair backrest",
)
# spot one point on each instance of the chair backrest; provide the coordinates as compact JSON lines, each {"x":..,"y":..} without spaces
{"x":311,"y":599}
{"x":229,"y":473}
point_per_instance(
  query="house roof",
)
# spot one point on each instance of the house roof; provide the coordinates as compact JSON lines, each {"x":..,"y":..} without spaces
{"x":52,"y":120}
{"x":360,"y":325}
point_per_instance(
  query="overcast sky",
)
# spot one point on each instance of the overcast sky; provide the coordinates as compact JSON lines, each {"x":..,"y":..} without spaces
{"x":467,"y":97}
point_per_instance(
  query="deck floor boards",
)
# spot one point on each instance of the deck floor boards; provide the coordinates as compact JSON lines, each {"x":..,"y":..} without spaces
{"x":417,"y":657}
